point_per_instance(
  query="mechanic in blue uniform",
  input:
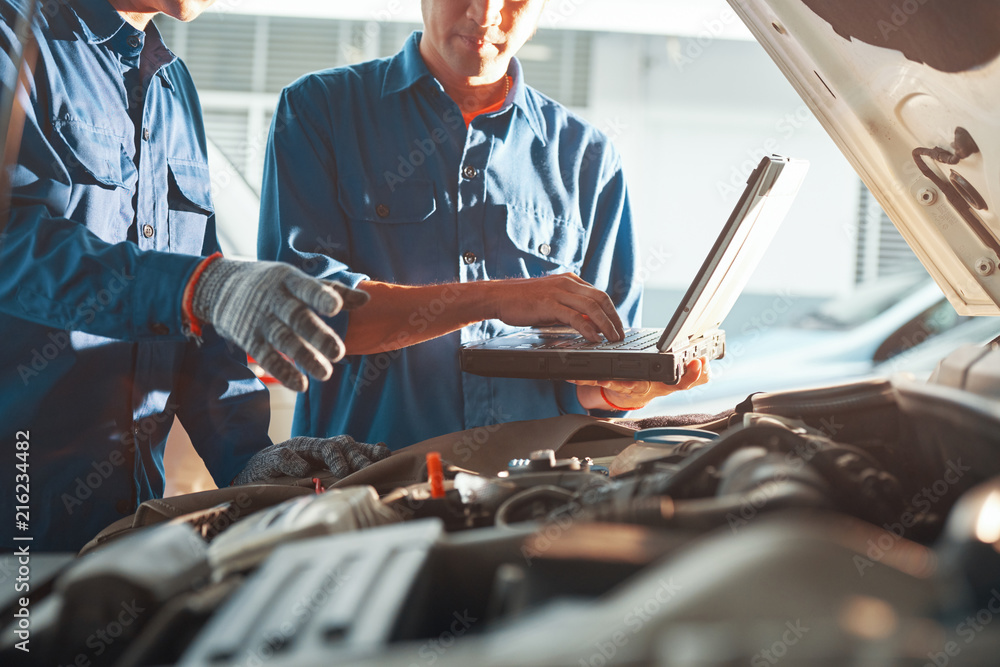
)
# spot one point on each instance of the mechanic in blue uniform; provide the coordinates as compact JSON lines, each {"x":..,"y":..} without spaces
{"x":465,"y":203}
{"x":105,"y":285}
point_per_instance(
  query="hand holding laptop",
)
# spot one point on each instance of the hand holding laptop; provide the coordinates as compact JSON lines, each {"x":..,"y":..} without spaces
{"x":635,"y":394}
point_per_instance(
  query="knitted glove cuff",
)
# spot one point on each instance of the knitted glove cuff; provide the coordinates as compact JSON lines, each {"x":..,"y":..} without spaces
{"x":192,"y":324}
{"x":209,"y":286}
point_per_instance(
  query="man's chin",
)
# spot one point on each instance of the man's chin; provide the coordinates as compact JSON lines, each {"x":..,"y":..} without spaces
{"x":187,"y":16}
{"x":473,"y":68}
{"x":190,"y":11}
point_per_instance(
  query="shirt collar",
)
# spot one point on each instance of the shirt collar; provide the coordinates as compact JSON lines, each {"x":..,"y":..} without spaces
{"x":158,"y":54}
{"x":519,"y":98}
{"x":100,"y":23}
{"x":99,"y":20}
{"x":407,"y":68}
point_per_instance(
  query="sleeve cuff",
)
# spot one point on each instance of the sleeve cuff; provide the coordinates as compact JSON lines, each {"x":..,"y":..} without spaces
{"x":157,"y":292}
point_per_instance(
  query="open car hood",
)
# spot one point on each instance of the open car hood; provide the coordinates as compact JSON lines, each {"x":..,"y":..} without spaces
{"x":909,"y":91}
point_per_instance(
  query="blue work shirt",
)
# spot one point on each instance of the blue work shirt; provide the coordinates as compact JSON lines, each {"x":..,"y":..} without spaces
{"x":109,"y":217}
{"x":371,"y":173}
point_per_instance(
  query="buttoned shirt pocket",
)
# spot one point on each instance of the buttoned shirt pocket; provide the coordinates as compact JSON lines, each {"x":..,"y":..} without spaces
{"x":95,"y":155}
{"x":189,"y":205}
{"x":411,"y":201}
{"x":102,"y":179}
{"x":544,"y":243}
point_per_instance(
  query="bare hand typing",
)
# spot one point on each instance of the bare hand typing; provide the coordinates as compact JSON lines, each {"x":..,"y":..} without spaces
{"x":559,"y":299}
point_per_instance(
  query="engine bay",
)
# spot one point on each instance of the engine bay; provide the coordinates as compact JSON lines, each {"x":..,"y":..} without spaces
{"x":854,"y":524}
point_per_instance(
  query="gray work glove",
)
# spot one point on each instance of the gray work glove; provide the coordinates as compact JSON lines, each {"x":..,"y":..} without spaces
{"x":267,"y":309}
{"x":302,"y":456}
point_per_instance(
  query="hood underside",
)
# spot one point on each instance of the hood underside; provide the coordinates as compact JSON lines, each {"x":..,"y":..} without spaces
{"x":910,"y":91}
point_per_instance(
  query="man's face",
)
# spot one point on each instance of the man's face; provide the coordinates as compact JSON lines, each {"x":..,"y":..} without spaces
{"x":183,"y":10}
{"x":476,"y":38}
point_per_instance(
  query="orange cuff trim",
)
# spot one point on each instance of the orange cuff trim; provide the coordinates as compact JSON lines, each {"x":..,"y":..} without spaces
{"x":187,"y":302}
{"x":613,"y":406}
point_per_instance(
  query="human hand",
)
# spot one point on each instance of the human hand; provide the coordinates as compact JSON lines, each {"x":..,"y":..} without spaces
{"x":267,"y":308}
{"x":301,"y":456}
{"x":635,"y":394}
{"x":563,"y":298}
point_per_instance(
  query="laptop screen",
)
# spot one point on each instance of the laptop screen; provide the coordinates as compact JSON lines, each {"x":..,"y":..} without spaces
{"x":769,"y":193}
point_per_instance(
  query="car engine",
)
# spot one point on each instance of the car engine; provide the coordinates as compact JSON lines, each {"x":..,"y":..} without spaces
{"x":854,"y":524}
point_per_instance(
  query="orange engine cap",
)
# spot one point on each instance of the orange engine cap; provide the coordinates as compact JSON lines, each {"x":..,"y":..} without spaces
{"x":435,"y":474}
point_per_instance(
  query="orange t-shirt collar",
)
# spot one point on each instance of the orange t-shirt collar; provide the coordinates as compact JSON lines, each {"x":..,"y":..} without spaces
{"x":467,"y":117}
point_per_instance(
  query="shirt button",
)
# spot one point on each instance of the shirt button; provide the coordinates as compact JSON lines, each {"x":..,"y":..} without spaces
{"x":123,"y":507}
{"x":145,"y":133}
{"x":133,"y":41}
{"x":381,"y":210}
{"x":469,"y":171}
{"x":545,"y":249}
{"x":147,"y":231}
{"x":160,"y":329}
{"x":469,"y":257}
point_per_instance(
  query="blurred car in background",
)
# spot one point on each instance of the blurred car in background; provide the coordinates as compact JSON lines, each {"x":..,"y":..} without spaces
{"x":901,"y":323}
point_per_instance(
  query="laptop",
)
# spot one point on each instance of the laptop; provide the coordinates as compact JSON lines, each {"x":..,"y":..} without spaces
{"x":659,"y":355}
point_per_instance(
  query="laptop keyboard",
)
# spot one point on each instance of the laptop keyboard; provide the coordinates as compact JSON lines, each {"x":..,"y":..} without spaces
{"x":635,"y":339}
